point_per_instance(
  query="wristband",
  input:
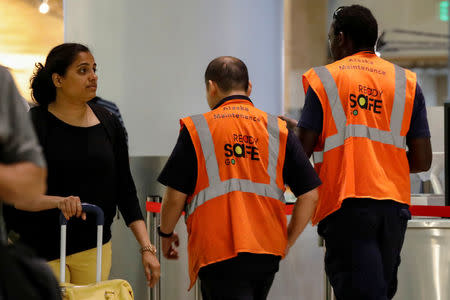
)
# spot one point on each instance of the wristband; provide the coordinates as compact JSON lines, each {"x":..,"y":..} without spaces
{"x":162,"y":234}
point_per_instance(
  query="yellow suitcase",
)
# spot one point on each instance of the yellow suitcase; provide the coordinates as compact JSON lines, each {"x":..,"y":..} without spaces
{"x":116,"y":289}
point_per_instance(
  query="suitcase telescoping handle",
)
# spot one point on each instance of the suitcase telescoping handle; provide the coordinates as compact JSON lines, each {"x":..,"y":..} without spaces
{"x":100,"y":220}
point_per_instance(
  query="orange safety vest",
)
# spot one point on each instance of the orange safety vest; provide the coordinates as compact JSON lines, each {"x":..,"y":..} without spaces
{"x":238,"y":203}
{"x":367,"y":104}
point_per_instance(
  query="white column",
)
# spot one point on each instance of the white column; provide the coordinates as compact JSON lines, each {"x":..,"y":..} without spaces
{"x":152,"y":55}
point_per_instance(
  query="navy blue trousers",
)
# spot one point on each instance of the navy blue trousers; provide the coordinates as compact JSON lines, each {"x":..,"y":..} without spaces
{"x":237,"y":289}
{"x":363,"y":242}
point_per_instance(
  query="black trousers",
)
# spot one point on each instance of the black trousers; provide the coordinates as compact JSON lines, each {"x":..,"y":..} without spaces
{"x":247,"y":276}
{"x":237,"y":289}
{"x":363,"y":242}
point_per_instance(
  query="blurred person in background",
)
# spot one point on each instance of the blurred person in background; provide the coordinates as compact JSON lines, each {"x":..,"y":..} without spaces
{"x":22,"y":182}
{"x":22,"y":165}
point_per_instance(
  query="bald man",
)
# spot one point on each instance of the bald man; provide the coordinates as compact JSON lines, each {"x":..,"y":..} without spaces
{"x":228,"y":172}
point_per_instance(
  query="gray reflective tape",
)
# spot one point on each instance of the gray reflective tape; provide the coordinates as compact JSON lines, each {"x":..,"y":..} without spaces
{"x":208,"y":149}
{"x":333,"y":96}
{"x":274,"y":146}
{"x":345,"y":131}
{"x":374,"y":134}
{"x":232,"y":185}
{"x":318,"y":157}
{"x":334,"y":141}
{"x":398,"y":107}
{"x":217,"y":187}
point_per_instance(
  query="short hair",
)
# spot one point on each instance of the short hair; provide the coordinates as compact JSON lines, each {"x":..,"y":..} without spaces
{"x":43,"y":91}
{"x":358,"y":23}
{"x":230,"y":73}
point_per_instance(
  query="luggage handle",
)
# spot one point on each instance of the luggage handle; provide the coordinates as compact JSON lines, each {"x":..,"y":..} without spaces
{"x":89,"y":209}
{"x":100,"y":219}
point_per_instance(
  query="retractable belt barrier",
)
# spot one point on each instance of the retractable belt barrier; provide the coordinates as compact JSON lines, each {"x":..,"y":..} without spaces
{"x":416,"y":210}
{"x":430,"y":211}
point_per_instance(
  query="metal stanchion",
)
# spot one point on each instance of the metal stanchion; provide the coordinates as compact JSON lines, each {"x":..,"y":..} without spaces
{"x":198,"y":294}
{"x":153,"y":220}
{"x":329,"y":294}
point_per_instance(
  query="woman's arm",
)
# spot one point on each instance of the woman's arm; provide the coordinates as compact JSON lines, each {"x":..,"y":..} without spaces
{"x":149,"y":260}
{"x":69,"y":206}
{"x":128,"y":204}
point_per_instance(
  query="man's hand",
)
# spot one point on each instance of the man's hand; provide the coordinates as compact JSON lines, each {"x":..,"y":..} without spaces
{"x":169,"y":246}
{"x":152,"y":268}
{"x":291,"y":123}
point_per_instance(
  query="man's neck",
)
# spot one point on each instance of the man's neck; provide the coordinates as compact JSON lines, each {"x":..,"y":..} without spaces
{"x":222,"y":96}
{"x":354,"y":51}
{"x":231,"y":97}
{"x":232,"y":93}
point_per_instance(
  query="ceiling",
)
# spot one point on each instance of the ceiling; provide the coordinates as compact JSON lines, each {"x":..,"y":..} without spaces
{"x":26,"y":36}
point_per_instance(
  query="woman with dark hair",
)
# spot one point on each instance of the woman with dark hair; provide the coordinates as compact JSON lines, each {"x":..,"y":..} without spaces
{"x":87,"y":159}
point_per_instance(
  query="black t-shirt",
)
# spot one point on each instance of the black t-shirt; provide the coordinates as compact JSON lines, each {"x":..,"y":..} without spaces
{"x":81,"y":162}
{"x":180,"y":173}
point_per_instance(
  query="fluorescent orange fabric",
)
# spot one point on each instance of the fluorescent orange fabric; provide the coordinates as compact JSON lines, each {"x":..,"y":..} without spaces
{"x":362,"y":167}
{"x":236,"y":221}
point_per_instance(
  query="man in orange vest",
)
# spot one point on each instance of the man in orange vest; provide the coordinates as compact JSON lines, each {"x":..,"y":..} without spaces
{"x":360,"y":113}
{"x":228,"y":172}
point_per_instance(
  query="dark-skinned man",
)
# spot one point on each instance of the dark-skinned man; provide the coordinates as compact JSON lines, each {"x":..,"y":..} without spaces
{"x":228,"y":172}
{"x":360,"y":113}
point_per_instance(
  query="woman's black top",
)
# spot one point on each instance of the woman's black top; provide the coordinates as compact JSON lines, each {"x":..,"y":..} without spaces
{"x":83,"y":162}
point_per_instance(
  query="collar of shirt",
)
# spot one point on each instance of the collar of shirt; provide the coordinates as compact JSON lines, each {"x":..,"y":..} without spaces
{"x":233,"y":97}
{"x":366,"y":53}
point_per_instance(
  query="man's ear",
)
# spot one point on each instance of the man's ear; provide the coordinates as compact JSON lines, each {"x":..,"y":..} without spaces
{"x":212,"y":88}
{"x":57,"y":80}
{"x":341,"y":37}
{"x":249,"y":89}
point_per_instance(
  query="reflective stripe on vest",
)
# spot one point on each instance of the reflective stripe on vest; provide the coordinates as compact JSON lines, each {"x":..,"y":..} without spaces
{"x":344,"y":131}
{"x":217,"y":187}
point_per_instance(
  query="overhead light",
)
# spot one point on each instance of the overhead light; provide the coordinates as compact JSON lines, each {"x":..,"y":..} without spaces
{"x":44,"y":8}
{"x":443,"y":11}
